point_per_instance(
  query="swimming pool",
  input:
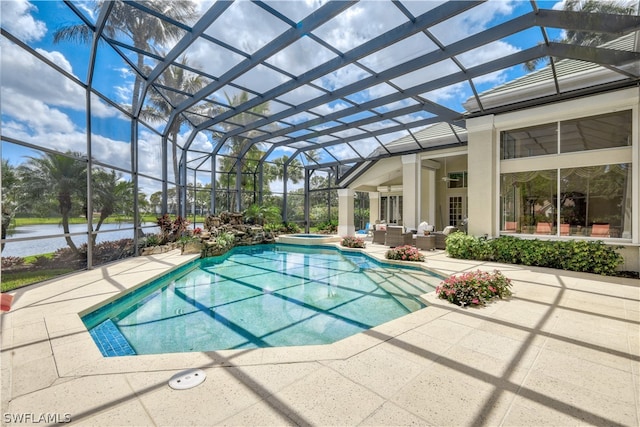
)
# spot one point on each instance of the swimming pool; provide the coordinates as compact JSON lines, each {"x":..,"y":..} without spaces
{"x":259,"y":296}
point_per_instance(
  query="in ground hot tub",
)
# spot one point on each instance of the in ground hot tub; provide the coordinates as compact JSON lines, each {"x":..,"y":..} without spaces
{"x":308,"y":239}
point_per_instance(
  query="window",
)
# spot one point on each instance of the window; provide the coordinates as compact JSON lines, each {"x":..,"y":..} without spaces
{"x":529,"y":142}
{"x":587,"y":133}
{"x":594,"y":133}
{"x":594,"y":201}
{"x":457,"y":180}
{"x":527,"y":199}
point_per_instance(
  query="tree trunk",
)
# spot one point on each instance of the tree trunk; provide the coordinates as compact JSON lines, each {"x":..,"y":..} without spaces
{"x":64,"y":199}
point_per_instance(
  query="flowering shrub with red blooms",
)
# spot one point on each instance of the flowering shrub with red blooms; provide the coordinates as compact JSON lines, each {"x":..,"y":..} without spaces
{"x":405,"y":253}
{"x":352,"y":242}
{"x":474,"y":288}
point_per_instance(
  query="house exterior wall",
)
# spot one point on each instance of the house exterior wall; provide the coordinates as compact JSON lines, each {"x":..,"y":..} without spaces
{"x":456,"y":161}
{"x":485,"y":165}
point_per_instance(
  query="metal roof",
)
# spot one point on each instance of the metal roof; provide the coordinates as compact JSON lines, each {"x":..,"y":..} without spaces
{"x":353,"y":96}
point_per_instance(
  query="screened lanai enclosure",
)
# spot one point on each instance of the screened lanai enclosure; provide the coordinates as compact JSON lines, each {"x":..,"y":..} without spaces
{"x":117,"y":112}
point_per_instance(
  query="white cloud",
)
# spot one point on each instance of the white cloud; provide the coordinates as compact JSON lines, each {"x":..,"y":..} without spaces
{"x":16,"y":19}
{"x":34,"y":113}
{"x":88,"y":7}
{"x":245,"y":18}
{"x":35,"y":94}
{"x":58,"y":59}
{"x":27,"y":75}
{"x":114,"y":152}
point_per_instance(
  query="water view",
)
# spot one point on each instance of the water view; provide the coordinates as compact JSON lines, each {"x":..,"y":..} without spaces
{"x":22,"y":248}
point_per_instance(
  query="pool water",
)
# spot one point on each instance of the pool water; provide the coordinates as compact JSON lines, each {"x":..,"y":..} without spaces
{"x":260,"y":296}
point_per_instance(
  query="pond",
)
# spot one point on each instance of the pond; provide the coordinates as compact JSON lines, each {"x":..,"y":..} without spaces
{"x":22,"y":248}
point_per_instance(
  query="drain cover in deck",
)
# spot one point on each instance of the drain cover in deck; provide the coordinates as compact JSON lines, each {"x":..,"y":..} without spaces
{"x":187,"y":379}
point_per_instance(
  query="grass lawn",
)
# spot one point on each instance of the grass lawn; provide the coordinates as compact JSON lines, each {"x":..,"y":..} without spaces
{"x":11,"y":280}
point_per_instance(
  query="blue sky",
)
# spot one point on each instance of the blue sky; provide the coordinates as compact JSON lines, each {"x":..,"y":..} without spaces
{"x":41,"y":107}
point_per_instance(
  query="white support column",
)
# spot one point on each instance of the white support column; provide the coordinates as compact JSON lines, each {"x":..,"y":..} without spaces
{"x":374,"y":207}
{"x":346,"y":225}
{"x":483,"y":187}
{"x":428,"y":195}
{"x":410,"y":190}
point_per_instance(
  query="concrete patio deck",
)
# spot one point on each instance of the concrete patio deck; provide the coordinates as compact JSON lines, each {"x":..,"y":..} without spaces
{"x":565,"y":350}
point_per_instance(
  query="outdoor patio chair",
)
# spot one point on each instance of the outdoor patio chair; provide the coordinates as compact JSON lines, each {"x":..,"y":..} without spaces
{"x":600,"y":230}
{"x":441,"y":236}
{"x":364,"y":231}
{"x":397,"y":237}
{"x":379,"y":236}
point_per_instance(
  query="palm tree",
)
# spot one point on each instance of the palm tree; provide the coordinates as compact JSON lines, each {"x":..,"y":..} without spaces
{"x":294,"y":171}
{"x":161,"y":105}
{"x":259,"y":214}
{"x":61,"y":175}
{"x":586,"y":38}
{"x":110,"y":195}
{"x":144,"y":29}
{"x":241,"y":143}
{"x":9,"y":199}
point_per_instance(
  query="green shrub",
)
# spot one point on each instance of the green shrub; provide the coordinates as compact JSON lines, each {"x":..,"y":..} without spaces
{"x":404,"y":253}
{"x":152,"y":240}
{"x":574,"y":255}
{"x":327,"y":227}
{"x":507,"y":249}
{"x":474,"y":288}
{"x":352,"y":242}
{"x":460,"y":245}
{"x":291,"y":227}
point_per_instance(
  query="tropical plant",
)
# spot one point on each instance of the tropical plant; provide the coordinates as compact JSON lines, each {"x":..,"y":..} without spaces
{"x":328,"y":227}
{"x":225,"y":240}
{"x":187,"y":238}
{"x":62,"y":176}
{"x":162,"y":104}
{"x":111,"y":195}
{"x":261,"y":214}
{"x":241,"y":152}
{"x":404,"y":253}
{"x":474,"y":288}
{"x":589,"y":38}
{"x":294,"y":170}
{"x":172,"y":230}
{"x":9,"y":197}
{"x":144,"y":29}
{"x":152,"y":240}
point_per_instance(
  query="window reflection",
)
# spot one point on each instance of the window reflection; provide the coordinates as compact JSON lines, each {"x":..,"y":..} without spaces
{"x":594,"y":201}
